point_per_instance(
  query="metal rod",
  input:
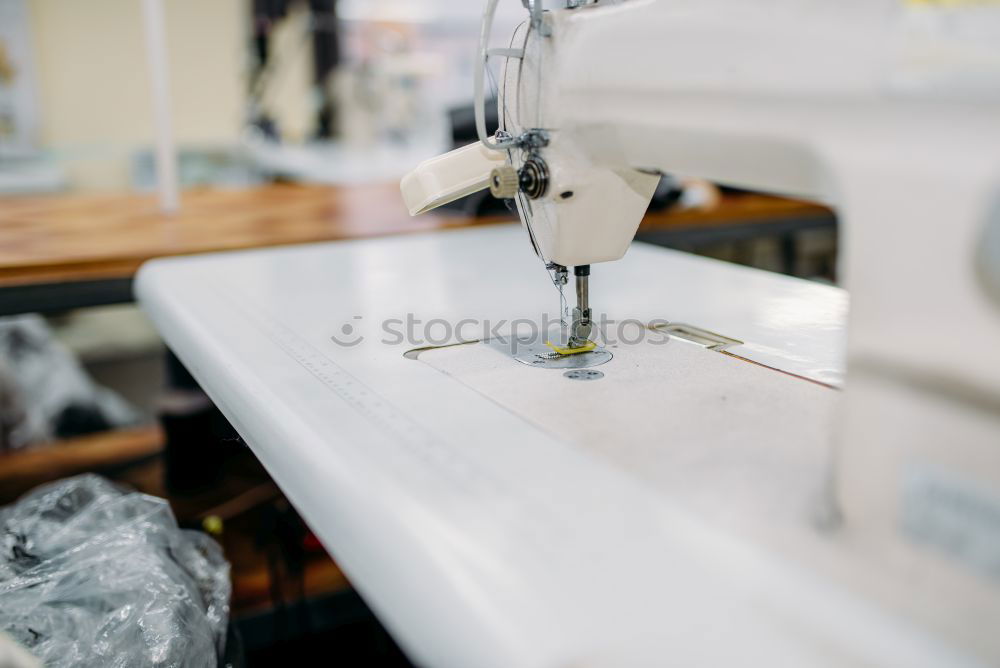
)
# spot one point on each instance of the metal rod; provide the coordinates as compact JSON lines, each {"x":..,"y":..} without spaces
{"x":159,"y":79}
{"x":583,"y":293}
{"x":579,"y":334}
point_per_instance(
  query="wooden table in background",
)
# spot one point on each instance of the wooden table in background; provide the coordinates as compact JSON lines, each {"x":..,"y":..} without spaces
{"x":69,"y":251}
{"x":739,"y":217}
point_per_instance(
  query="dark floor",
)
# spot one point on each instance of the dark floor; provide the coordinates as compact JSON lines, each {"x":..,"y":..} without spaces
{"x":337,"y":630}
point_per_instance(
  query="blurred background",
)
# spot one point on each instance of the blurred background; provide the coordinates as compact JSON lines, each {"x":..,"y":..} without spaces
{"x":262,"y":89}
{"x":286,"y":121}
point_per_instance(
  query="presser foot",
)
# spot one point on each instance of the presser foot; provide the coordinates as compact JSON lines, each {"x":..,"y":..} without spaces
{"x":546,"y":356}
{"x":573,"y":348}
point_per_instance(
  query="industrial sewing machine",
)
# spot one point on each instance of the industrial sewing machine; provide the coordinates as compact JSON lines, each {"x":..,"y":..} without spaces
{"x":888,"y":110}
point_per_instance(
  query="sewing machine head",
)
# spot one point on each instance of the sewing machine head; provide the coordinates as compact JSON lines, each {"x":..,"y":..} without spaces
{"x":576,"y":212}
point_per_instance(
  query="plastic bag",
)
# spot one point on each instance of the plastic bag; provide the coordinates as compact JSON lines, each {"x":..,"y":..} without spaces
{"x":93,"y":575}
{"x":44,"y":391}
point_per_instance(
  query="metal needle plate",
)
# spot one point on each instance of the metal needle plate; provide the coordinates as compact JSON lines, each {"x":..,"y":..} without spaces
{"x":535,"y":353}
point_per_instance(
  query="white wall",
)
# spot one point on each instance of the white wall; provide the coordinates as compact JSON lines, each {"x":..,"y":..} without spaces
{"x":92,"y":80}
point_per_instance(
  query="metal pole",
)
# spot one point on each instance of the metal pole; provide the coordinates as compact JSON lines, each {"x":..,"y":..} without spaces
{"x":156,"y":53}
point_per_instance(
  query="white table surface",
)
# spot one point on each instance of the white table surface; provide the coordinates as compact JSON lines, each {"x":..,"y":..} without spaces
{"x":479,"y":539}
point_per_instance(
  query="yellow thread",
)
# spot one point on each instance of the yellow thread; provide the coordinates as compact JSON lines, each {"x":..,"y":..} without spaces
{"x":590,"y":345}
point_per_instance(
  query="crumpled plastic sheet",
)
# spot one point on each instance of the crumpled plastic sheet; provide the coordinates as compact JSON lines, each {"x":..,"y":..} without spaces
{"x":94,"y":575}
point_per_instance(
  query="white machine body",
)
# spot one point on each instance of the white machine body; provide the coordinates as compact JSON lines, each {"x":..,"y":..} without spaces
{"x":888,"y":110}
{"x":591,"y":207}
